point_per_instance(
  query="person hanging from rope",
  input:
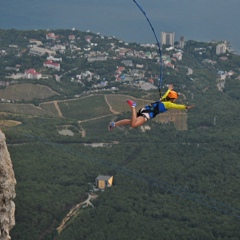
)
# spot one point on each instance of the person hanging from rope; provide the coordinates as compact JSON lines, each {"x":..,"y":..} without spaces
{"x":150,"y":111}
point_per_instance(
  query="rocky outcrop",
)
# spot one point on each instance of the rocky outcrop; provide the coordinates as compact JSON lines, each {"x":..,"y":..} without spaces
{"x":7,"y":191}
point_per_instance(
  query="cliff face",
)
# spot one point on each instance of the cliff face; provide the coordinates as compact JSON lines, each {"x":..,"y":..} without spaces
{"x":7,"y":191}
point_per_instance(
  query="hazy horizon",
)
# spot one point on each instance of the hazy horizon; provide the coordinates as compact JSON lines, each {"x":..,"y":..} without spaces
{"x":195,"y":20}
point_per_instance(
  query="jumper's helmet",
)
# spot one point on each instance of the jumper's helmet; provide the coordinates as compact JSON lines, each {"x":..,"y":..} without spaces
{"x":173,"y":95}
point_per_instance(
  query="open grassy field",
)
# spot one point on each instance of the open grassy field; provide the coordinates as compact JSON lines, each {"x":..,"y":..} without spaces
{"x":50,"y":109}
{"x":85,"y":108}
{"x":24,"y":109}
{"x":82,"y":110}
{"x":26,"y":91}
{"x":118,"y":102}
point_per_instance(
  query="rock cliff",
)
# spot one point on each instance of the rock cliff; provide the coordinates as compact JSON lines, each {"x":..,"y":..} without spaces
{"x":7,"y":191}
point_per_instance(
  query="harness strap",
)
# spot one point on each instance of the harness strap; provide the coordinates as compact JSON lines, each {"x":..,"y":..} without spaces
{"x":153,"y":108}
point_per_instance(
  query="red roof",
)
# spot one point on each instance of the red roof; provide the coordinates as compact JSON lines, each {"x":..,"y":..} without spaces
{"x":71,"y":37}
{"x":120,"y":69}
{"x":32,"y":71}
{"x":150,"y":80}
{"x":50,"y":62}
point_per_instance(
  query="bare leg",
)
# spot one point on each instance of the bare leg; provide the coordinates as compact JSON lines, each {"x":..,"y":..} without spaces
{"x":136,"y":121}
{"x":123,"y":122}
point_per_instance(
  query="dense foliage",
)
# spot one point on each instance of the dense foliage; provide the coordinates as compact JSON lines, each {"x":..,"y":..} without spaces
{"x":168,"y":184}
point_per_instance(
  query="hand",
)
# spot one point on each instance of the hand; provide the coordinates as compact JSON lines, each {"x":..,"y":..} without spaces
{"x":170,"y":87}
{"x":188,"y":107}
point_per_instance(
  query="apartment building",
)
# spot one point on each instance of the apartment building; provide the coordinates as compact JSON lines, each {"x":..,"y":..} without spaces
{"x":167,"y":38}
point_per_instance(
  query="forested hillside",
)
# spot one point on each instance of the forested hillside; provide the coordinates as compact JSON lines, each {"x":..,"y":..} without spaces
{"x":167,"y":183}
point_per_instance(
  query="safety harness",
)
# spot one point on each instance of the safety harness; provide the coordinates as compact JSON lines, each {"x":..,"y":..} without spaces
{"x":152,"y":110}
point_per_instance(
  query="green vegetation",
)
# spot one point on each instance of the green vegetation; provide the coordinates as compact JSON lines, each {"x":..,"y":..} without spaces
{"x":168,"y":184}
{"x":26,"y":92}
{"x":92,"y":107}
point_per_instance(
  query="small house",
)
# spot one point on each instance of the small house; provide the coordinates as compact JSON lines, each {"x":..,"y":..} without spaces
{"x":104,"y":181}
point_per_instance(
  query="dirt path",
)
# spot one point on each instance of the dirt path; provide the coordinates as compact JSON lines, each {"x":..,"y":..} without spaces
{"x":58,"y":109}
{"x":110,"y":106}
{"x":83,"y":131}
{"x":73,"y":212}
{"x":81,"y":121}
{"x":91,"y":119}
{"x":87,"y":120}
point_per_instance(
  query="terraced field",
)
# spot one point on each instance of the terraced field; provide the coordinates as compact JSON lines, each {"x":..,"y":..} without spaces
{"x":83,"y":110}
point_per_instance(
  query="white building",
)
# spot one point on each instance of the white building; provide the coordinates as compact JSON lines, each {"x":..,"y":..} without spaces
{"x":32,"y":74}
{"x":51,"y":64}
{"x":181,"y":42}
{"x":41,"y":51}
{"x":167,"y":38}
{"x":59,"y":47}
{"x":51,"y":58}
{"x":221,"y":48}
{"x":51,"y":36}
{"x":178,"y":56}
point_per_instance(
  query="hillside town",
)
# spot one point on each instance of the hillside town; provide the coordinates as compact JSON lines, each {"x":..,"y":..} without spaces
{"x":129,"y":62}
